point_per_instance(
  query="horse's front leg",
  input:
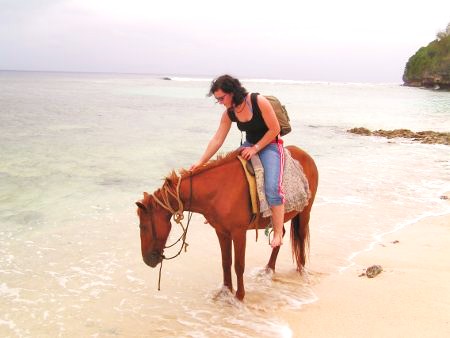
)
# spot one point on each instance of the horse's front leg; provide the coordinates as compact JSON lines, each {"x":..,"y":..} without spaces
{"x":239,"y":242}
{"x":225,"y":247}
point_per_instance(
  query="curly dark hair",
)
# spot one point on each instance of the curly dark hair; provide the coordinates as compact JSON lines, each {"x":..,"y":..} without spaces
{"x":230,"y":85}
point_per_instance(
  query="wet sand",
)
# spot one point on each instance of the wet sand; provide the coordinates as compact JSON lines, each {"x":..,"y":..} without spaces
{"x":410,"y":298}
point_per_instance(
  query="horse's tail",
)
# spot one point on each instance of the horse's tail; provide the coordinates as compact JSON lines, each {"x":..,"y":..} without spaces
{"x":300,"y":237}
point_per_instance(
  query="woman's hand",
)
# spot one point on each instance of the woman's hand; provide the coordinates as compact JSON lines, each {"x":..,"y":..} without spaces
{"x":248,"y":152}
{"x":195,"y":166}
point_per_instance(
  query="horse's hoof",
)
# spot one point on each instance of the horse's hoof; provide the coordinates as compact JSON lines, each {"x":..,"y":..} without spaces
{"x":223,"y":293}
{"x":269,"y":270}
{"x":240,"y":296}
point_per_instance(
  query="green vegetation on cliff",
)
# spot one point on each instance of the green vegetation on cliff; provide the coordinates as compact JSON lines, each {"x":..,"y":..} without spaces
{"x":430,"y":65}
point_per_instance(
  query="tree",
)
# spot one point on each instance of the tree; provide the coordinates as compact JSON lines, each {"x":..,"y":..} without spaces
{"x":443,"y":34}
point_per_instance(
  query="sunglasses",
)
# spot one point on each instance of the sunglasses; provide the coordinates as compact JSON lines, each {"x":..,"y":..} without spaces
{"x":220,"y":98}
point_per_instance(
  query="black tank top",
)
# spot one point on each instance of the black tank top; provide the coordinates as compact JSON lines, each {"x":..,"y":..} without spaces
{"x":256,"y":127}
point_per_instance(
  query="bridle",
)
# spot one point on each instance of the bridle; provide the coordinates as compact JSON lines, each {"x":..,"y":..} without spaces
{"x":177,"y":215}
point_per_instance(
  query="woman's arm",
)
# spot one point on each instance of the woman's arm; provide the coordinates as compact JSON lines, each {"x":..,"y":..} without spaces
{"x":216,"y":142}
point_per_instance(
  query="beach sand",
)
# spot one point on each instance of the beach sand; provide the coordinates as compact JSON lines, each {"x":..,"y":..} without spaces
{"x":410,"y":298}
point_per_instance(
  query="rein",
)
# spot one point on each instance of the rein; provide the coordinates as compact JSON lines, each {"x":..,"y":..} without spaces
{"x":177,"y":216}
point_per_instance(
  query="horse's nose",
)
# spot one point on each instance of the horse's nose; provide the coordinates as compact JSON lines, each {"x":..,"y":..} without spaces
{"x":153,"y":258}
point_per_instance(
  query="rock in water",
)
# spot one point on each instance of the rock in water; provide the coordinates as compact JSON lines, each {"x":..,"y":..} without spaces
{"x":427,"y":136}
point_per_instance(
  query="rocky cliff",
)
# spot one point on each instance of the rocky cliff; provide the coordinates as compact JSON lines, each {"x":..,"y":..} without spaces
{"x":430,"y":65}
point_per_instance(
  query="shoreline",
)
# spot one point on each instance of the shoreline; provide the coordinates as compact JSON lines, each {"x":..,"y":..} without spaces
{"x":410,"y":297}
{"x":379,"y":238}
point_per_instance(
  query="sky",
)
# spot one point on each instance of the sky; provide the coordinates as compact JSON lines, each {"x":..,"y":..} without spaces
{"x":315,"y":40}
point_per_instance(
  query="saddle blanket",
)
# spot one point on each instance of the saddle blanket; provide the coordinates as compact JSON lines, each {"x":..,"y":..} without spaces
{"x":295,"y":185}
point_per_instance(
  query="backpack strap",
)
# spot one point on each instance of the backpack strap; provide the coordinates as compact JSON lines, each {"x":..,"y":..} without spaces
{"x":253,"y":97}
{"x":254,"y":100}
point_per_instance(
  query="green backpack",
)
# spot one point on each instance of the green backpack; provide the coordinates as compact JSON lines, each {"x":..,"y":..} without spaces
{"x":281,"y":113}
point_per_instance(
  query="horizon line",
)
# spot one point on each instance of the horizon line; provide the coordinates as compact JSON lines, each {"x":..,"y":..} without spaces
{"x":198,"y":77}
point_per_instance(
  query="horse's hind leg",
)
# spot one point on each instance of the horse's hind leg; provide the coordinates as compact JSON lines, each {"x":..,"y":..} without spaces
{"x":225,"y":247}
{"x":274,"y":255}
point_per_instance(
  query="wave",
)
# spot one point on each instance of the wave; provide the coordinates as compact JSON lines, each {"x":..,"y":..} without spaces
{"x":186,"y":79}
{"x":280,"y":81}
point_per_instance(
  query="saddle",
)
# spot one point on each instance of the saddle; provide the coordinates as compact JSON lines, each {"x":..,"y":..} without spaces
{"x":251,"y":180}
{"x":295,"y":186}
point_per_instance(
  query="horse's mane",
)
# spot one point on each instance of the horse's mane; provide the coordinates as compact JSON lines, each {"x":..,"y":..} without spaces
{"x":172,"y":178}
{"x":217,"y":162}
{"x":148,"y":200}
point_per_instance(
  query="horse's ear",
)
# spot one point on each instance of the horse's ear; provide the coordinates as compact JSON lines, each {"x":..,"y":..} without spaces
{"x":141,"y":206}
{"x":146,"y":195}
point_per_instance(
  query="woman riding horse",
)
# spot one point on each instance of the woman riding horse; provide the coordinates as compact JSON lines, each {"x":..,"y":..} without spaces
{"x":253,"y":114}
{"x":226,"y":203}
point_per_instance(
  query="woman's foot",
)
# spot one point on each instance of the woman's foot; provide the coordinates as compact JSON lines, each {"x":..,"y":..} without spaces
{"x":277,"y":239}
{"x":277,"y":221}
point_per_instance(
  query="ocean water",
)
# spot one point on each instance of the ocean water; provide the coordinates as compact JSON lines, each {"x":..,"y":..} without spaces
{"x":77,"y":150}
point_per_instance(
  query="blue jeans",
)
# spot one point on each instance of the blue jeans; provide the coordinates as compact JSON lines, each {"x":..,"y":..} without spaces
{"x":272,"y":162}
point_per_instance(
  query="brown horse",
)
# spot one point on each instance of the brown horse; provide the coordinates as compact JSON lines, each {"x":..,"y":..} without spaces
{"x":219,"y":191}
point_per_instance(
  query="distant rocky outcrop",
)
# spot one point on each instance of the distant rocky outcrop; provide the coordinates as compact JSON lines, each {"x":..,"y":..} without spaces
{"x":430,"y":66}
{"x":429,"y":137}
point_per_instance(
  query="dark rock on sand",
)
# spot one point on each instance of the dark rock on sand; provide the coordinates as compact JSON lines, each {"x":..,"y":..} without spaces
{"x":372,"y":271}
{"x":429,"y":137}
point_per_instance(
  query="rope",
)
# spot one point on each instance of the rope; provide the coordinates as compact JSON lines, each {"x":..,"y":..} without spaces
{"x":177,"y":216}
{"x":159,"y":278}
{"x":182,"y":237}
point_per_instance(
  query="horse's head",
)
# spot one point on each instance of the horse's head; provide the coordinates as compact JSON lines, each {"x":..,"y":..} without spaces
{"x":154,"y":224}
